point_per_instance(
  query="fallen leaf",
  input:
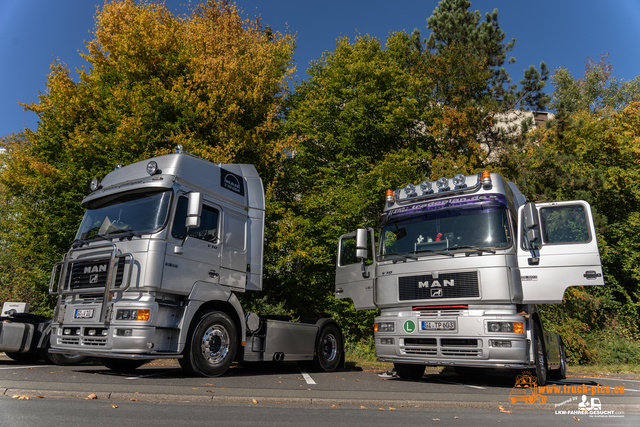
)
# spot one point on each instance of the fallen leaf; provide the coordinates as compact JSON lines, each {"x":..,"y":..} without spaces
{"x":308,"y":389}
{"x":392,"y":409}
{"x":435,"y":419}
{"x":333,"y":406}
{"x":224,"y":388}
{"x":363,"y":407}
{"x":456,"y":417}
{"x":255,"y":401}
{"x":20,"y":397}
{"x":40,"y":397}
{"x":358,"y":380}
{"x":380,"y":409}
{"x":211,"y":391}
{"x":91,"y":397}
{"x":279,"y":382}
{"x":114,"y":406}
{"x":576,"y":418}
{"x":208,"y":384}
{"x":133,"y":399}
{"x":504,"y":410}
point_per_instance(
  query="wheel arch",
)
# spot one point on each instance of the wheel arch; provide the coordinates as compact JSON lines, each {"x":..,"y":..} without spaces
{"x":205,"y":297}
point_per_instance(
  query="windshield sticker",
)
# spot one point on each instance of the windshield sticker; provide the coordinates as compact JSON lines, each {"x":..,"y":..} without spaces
{"x":445,"y":203}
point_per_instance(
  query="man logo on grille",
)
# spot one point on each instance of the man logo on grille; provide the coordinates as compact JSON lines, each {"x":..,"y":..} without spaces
{"x":436,"y":293}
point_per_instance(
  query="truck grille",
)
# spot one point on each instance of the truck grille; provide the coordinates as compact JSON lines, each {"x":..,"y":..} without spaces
{"x":93,"y":274}
{"x":447,"y":285}
{"x":449,"y":347}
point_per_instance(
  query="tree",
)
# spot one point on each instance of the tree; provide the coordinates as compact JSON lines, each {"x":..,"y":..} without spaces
{"x":590,"y":152}
{"x":453,"y":24}
{"x":211,"y":81}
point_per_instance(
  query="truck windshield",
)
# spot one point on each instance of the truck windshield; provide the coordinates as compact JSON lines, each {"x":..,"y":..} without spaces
{"x":133,"y":213}
{"x":446,"y":230}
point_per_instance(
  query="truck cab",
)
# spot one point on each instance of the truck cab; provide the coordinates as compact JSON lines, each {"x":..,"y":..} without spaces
{"x":163,"y":250}
{"x":458,"y":269}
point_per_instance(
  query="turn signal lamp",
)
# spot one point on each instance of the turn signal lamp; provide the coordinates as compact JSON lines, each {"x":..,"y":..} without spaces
{"x":143,"y":315}
{"x":518,"y":327}
{"x":390,"y":199}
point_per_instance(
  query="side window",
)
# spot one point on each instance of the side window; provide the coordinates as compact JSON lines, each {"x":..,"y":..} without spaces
{"x":564,"y":224}
{"x":348,"y":252}
{"x":208,"y":230}
{"x":234,"y":231}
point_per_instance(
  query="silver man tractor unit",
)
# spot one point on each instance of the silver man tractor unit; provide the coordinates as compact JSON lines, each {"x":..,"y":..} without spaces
{"x":459,"y":268}
{"x":163,"y":250}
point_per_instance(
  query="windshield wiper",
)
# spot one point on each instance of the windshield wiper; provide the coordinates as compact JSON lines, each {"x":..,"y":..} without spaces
{"x":435,"y":251}
{"x":474,"y":249}
{"x":78,"y":243}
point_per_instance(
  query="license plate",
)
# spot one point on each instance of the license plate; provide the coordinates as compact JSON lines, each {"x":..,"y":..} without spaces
{"x":431,"y":325}
{"x":84,"y":313}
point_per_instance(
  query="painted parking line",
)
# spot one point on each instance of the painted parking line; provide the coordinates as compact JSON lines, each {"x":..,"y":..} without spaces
{"x":307,"y":377}
{"x":31,"y":367}
{"x":466,"y":385}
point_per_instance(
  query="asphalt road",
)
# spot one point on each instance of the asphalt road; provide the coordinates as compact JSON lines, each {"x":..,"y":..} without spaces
{"x":285,"y":393}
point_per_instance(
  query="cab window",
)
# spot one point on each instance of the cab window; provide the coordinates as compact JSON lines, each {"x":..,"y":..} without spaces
{"x":208,"y":230}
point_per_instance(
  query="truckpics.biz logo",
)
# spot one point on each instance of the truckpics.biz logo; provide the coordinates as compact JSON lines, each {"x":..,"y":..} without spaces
{"x":527,"y":390}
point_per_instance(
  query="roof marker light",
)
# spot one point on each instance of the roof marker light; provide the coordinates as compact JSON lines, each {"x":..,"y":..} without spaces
{"x":410,"y":190}
{"x":95,"y":184}
{"x":459,"y":180}
{"x":486,"y":179}
{"x":442,"y":183}
{"x":390,"y":199}
{"x":152,"y":167}
{"x":426,"y":187}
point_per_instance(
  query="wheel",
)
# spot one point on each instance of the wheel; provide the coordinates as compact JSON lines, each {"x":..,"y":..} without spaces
{"x":561,"y":372}
{"x":65,"y":359}
{"x":328,"y":351}
{"x":211,"y":346}
{"x":29,"y":357}
{"x":409,"y":371}
{"x":540,"y":356}
{"x":122,"y":365}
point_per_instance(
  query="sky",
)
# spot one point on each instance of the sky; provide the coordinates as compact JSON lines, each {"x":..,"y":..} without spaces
{"x":562,"y":33}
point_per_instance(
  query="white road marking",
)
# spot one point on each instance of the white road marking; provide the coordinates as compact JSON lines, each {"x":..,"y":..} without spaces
{"x":466,"y":385}
{"x":31,"y":367}
{"x":307,"y":377}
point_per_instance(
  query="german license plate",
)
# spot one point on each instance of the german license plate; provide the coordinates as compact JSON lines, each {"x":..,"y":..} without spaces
{"x":433,"y":325}
{"x":84,"y":313}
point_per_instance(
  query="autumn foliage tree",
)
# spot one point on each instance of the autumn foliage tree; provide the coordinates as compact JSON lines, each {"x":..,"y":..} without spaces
{"x":211,"y":81}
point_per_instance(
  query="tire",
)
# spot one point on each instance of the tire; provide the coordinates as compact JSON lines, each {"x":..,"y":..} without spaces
{"x":409,"y":371}
{"x":29,"y":357}
{"x":329,"y":348}
{"x":65,"y":359}
{"x":540,"y":357}
{"x":211,"y":346}
{"x":122,"y":365}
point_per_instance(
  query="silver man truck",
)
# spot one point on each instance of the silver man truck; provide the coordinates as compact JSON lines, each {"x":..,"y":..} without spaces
{"x":164,"y":249}
{"x":459,"y":267}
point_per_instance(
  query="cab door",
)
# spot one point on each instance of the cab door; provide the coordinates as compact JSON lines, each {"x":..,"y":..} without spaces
{"x":564,"y":251}
{"x":355,"y":277}
{"x":196,"y":257}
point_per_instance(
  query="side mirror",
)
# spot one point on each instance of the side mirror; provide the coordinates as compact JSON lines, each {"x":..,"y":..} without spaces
{"x":194,"y":210}
{"x":361,"y":243}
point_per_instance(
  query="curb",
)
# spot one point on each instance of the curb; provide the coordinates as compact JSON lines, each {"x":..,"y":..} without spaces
{"x":157,"y":397}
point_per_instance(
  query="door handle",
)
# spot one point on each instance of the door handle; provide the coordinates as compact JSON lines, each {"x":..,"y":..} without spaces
{"x":591,"y":275}
{"x":339,"y":291}
{"x":212,"y":273}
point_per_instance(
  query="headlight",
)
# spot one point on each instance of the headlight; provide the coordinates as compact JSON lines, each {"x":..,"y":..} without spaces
{"x":128,"y":314}
{"x":152,"y":167}
{"x":508,"y":327}
{"x":442,"y":183}
{"x":384,"y":327}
